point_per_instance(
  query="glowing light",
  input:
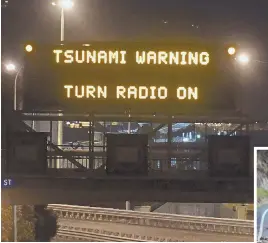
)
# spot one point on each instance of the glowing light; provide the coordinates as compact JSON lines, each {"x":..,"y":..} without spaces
{"x":57,"y":52}
{"x":86,"y":91}
{"x":231,"y":50}
{"x":86,"y":56}
{"x":141,"y":57}
{"x":66,"y":4}
{"x":243,"y":58}
{"x":187,"y":93}
{"x":172,"y":58}
{"x":53,"y":3}
{"x":29,"y":48}
{"x":10,"y":67}
{"x":141,"y":92}
{"x":130,"y":92}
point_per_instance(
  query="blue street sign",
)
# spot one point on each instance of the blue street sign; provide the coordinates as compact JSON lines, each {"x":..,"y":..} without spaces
{"x":7,"y":183}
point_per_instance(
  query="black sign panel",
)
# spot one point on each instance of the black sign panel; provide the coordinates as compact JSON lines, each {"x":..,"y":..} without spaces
{"x":229,"y":156}
{"x":26,"y":153}
{"x":114,"y":77}
{"x":127,"y":154}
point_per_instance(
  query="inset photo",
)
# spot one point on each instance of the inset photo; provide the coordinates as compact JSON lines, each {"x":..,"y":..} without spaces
{"x":261,"y":155}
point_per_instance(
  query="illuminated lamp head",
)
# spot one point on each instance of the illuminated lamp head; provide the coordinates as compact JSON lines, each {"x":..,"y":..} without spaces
{"x":66,"y":4}
{"x":231,"y":50}
{"x":28,"y":48}
{"x":243,"y":59}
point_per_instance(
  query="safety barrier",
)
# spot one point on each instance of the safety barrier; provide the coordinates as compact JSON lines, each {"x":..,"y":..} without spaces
{"x":179,"y":222}
{"x":195,"y":155}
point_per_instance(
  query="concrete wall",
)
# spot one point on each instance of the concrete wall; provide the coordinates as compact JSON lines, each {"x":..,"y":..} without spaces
{"x":216,"y":210}
{"x":226,"y":212}
{"x":142,"y":208}
{"x":201,"y":209}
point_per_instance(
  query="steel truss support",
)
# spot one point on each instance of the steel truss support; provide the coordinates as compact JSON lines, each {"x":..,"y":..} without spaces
{"x":91,"y":142}
{"x":95,"y":119}
{"x":19,"y":124}
{"x":169,"y":141}
{"x":238,"y":128}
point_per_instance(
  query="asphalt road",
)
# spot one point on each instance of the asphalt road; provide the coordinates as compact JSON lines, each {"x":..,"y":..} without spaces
{"x":158,"y":232}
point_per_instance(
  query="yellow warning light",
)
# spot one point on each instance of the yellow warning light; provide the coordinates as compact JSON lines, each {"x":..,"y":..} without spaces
{"x":29,"y":48}
{"x":231,"y":50}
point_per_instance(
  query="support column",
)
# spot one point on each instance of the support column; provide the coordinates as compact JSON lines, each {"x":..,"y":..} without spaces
{"x":241,"y":212}
{"x":34,"y":124}
{"x":128,"y":202}
{"x":104,"y":137}
{"x":104,"y":142}
{"x":128,"y":206}
{"x":15,"y":223}
{"x":93,"y":143}
{"x":50,"y":138}
{"x":206,"y":132}
{"x":89,"y":144}
{"x":169,"y":142}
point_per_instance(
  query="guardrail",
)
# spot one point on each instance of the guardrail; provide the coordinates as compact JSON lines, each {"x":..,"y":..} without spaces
{"x":179,"y":222}
{"x":77,"y":233}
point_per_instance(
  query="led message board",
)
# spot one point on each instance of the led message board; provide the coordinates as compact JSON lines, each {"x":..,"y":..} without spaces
{"x":115,"y":77}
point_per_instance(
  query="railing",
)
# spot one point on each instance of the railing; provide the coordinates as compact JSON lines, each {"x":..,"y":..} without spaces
{"x":180,"y":156}
{"x":78,"y":233}
{"x":75,"y":234}
{"x":179,"y":222}
{"x":177,"y":163}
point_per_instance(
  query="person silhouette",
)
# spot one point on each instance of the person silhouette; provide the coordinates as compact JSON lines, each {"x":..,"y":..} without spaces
{"x":46,"y":224}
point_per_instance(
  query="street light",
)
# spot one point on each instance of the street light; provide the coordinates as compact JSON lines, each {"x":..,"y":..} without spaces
{"x":243,"y":58}
{"x":231,"y":50}
{"x":64,"y":5}
{"x":28,"y":48}
{"x":11,"y":68}
{"x":244,"y":62}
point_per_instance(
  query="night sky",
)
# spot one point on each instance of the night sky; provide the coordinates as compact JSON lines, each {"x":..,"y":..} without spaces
{"x":241,"y":21}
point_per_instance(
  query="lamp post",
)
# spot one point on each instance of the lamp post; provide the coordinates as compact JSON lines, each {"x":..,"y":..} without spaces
{"x":64,"y":5}
{"x":243,"y":61}
{"x":11,"y":68}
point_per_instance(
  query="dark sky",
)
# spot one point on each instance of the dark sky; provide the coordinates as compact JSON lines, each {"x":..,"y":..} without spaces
{"x":242,"y":21}
{"x":238,"y":20}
